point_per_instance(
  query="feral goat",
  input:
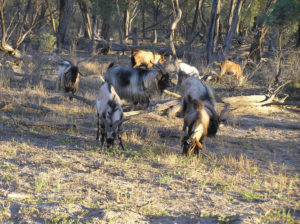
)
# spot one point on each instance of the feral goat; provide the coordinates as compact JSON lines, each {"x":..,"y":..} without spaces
{"x":68,"y":77}
{"x":137,"y":85}
{"x":230,"y":67}
{"x":110,"y":115}
{"x":146,"y":58}
{"x":184,"y":71}
{"x":200,"y":115}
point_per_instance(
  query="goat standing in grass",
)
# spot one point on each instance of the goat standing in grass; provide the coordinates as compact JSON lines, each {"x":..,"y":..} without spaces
{"x":110,"y":115}
{"x":200,"y":115}
{"x":230,"y":67}
{"x":68,"y":77}
{"x":137,"y":85}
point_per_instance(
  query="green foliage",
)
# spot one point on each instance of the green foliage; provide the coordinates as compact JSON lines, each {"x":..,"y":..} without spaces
{"x":285,"y":12}
{"x":47,"y":42}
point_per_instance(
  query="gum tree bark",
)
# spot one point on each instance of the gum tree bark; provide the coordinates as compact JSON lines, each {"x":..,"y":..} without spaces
{"x":65,"y":18}
{"x":86,"y":19}
{"x":233,"y":26}
{"x":213,"y":26}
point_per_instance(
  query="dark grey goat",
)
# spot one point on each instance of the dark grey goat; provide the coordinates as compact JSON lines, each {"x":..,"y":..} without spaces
{"x":137,"y":85}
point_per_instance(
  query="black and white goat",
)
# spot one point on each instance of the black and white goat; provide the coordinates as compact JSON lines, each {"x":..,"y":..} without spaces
{"x":200,"y":115}
{"x":68,"y":77}
{"x":137,"y":85}
{"x":110,"y":115}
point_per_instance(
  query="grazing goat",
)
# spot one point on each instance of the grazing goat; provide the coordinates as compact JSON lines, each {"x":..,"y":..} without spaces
{"x":200,"y":115}
{"x":146,"y":58}
{"x":68,"y":77}
{"x":229,"y":67}
{"x":137,"y":85}
{"x":110,"y":115}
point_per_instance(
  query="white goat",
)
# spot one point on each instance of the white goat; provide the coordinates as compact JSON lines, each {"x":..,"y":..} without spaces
{"x":110,"y":115}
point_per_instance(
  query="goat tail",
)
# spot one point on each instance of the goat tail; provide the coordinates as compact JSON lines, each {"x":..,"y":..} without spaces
{"x":217,"y":63}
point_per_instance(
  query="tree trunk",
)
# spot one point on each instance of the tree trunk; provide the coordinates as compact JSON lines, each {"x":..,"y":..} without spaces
{"x":211,"y":30}
{"x":239,"y":20}
{"x":298,"y":39}
{"x":217,"y":28}
{"x":256,"y":47}
{"x":174,"y":25}
{"x":126,"y":22}
{"x":155,"y":19}
{"x":232,"y":28}
{"x":120,"y":22}
{"x":65,"y":18}
{"x":231,"y":11}
{"x":105,"y":30}
{"x":196,"y":14}
{"x":143,"y":22}
{"x":202,"y":18}
{"x":86,"y":19}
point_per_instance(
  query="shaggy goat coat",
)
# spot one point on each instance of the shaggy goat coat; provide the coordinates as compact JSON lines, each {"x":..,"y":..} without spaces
{"x":68,"y":77}
{"x":194,"y":89}
{"x":136,"y":85}
{"x":110,"y":114}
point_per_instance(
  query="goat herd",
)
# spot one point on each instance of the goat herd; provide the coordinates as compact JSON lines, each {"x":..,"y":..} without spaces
{"x":137,"y":85}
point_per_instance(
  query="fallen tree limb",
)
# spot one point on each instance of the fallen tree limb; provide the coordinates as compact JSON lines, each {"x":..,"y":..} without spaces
{"x":5,"y":106}
{"x":172,"y":94}
{"x":80,"y":98}
{"x":38,"y":107}
{"x":169,"y":134}
{"x":256,"y":100}
{"x":42,"y":124}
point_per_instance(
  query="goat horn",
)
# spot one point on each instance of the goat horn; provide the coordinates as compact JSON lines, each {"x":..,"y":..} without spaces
{"x":116,"y":124}
{"x":160,"y":67}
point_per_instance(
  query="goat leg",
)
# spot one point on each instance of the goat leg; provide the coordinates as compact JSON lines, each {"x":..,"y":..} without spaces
{"x":192,"y":149}
{"x":98,"y":129}
{"x":121,"y":143}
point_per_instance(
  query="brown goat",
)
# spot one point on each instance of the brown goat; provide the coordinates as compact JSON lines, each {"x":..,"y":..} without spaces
{"x":146,"y":58}
{"x":197,"y":122}
{"x":230,"y":67}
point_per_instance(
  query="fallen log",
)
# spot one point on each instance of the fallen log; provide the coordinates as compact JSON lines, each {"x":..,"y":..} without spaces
{"x":169,"y":134}
{"x":172,"y":94}
{"x":42,"y":124}
{"x":4,"y":106}
{"x":80,"y":98}
{"x":256,"y":100}
{"x":38,"y":107}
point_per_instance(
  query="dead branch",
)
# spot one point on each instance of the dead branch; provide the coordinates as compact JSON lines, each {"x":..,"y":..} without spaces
{"x":169,"y":134}
{"x":172,"y":94}
{"x":38,"y":107}
{"x":80,"y":98}
{"x":15,"y":123}
{"x":41,"y":124}
{"x":4,"y":106}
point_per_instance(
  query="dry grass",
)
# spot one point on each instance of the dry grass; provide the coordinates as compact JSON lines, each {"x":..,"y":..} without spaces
{"x":249,"y":174}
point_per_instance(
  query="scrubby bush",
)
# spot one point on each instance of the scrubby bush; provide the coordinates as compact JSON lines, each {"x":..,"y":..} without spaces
{"x":47,"y":42}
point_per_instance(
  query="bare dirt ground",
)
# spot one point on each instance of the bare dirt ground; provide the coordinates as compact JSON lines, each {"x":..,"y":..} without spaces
{"x":55,"y":172}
